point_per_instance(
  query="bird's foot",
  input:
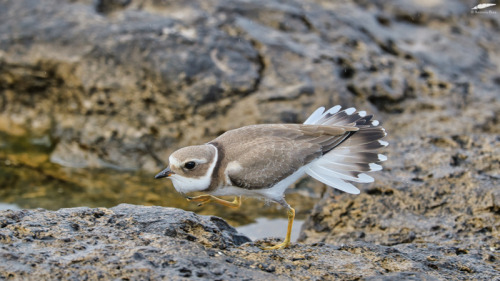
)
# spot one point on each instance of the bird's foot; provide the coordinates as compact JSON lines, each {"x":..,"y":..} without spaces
{"x":203,"y":199}
{"x":282,"y":245}
{"x":286,"y":243}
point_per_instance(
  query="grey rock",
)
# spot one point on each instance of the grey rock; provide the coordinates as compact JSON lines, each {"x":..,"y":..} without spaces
{"x":154,"y":76}
{"x":125,"y":241}
{"x":137,"y":242}
{"x":121,"y":84}
{"x":440,"y":190}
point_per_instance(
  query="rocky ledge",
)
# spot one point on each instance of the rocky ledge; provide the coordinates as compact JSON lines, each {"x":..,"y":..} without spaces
{"x":157,"y":75}
{"x":150,"y":243}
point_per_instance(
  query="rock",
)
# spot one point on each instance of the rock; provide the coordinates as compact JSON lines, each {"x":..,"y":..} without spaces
{"x":125,"y":241}
{"x":137,"y":242}
{"x":138,"y":75}
{"x":121,"y":84}
{"x":440,"y":190}
{"x":154,"y":76}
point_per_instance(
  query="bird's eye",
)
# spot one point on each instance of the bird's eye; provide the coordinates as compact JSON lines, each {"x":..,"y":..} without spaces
{"x":189,"y":165}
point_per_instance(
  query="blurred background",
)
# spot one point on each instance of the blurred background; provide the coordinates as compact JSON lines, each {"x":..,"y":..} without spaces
{"x":95,"y":95}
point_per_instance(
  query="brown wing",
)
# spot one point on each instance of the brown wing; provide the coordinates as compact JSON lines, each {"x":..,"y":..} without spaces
{"x":270,"y":153}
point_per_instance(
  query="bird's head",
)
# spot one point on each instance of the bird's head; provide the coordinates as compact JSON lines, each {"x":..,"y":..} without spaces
{"x":190,"y":168}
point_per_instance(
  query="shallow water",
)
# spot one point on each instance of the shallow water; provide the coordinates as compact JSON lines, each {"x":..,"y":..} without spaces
{"x":29,"y":180}
{"x":264,"y":227}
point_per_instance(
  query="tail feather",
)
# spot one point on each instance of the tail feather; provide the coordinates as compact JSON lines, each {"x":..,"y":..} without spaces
{"x":333,"y":181}
{"x":359,"y":167}
{"x":344,"y":117}
{"x":342,"y":155}
{"x":365,"y":136}
{"x":351,"y":157}
{"x":319,"y":116}
{"x":355,"y":176}
{"x":316,"y":116}
{"x":364,"y":121}
{"x":371,"y":146}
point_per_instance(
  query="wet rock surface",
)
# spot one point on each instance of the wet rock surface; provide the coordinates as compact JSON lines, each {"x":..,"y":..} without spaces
{"x":122,"y":84}
{"x":136,"y":242}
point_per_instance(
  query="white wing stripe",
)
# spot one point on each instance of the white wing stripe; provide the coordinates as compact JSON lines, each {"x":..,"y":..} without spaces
{"x":334,"y":182}
{"x":363,"y":178}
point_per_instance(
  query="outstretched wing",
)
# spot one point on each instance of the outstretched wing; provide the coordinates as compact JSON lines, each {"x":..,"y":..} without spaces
{"x":262,"y":155}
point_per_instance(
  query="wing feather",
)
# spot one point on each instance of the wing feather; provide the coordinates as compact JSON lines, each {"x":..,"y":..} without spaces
{"x":269,"y":153}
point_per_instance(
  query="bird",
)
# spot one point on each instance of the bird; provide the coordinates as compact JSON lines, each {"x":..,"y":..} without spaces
{"x":334,"y":146}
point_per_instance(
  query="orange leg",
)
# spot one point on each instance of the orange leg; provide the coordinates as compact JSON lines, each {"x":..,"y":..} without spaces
{"x":286,"y":243}
{"x":203,"y":199}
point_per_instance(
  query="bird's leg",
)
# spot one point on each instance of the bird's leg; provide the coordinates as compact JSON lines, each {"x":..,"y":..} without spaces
{"x":291,"y":216}
{"x":203,"y":199}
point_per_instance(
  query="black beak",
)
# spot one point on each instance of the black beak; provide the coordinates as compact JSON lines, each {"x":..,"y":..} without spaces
{"x":164,"y":174}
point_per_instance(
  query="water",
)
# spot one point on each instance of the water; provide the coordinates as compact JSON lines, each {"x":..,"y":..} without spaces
{"x":5,"y":206}
{"x":28,"y":180}
{"x":264,"y":227}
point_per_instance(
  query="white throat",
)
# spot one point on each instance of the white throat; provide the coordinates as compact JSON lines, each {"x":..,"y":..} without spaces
{"x":186,"y":185}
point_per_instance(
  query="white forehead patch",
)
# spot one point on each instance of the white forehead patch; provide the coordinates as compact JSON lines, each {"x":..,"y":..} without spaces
{"x":173,"y":161}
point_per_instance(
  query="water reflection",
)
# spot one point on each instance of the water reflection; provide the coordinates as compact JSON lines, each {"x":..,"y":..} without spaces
{"x":264,"y":227}
{"x":5,"y":206}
